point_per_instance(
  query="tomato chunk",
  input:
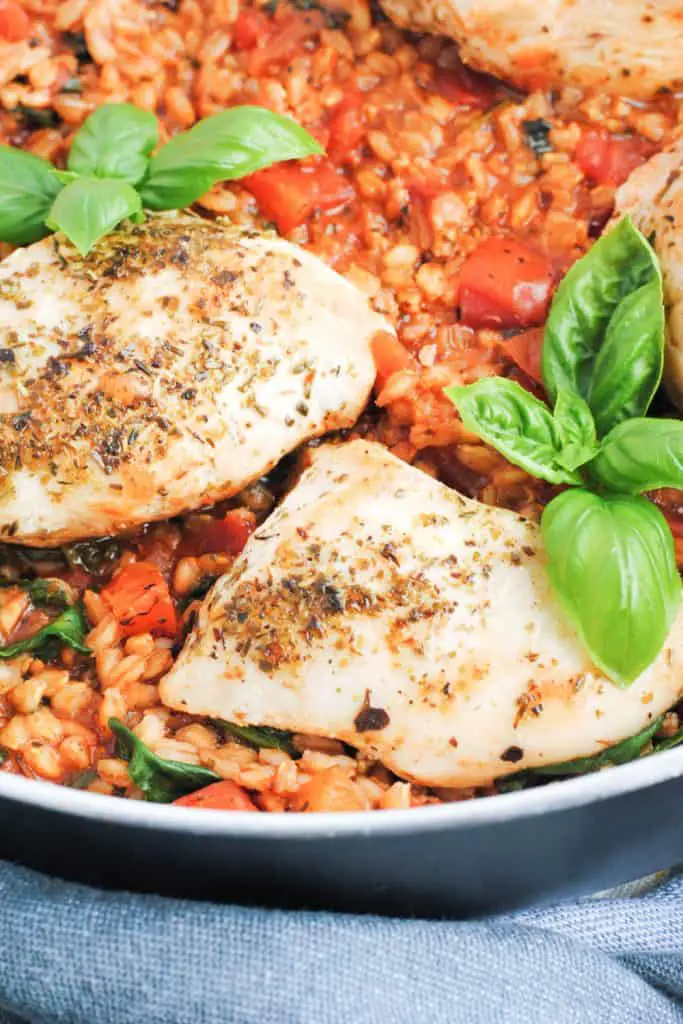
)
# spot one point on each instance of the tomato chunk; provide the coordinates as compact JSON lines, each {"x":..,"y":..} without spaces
{"x":284,"y":41}
{"x":219,"y":796}
{"x":15,"y":24}
{"x":289,"y":193}
{"x":608,"y":160}
{"x":390,"y":356}
{"x":504,"y":284}
{"x":209,"y":535}
{"x":141,"y":602}
{"x":346,"y":127}
{"x":525,"y":350}
{"x":250,"y":28}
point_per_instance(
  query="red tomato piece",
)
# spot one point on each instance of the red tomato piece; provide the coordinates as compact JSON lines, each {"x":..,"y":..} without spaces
{"x":609,"y":161}
{"x":289,"y":193}
{"x":504,"y":283}
{"x":390,"y":356}
{"x":231,"y":533}
{"x":285,"y":40}
{"x":346,"y":127}
{"x":250,"y":28}
{"x":141,"y":602}
{"x":467,"y":88}
{"x":15,"y":24}
{"x":525,"y":350}
{"x":219,"y":796}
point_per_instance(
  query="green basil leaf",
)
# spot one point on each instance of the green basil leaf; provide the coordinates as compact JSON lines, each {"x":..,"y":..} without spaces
{"x":629,"y":366}
{"x":160,"y":780}
{"x":611,"y":562}
{"x":28,"y":188}
{"x":516,"y":424}
{"x":262,"y":737}
{"x":89,"y":208}
{"x":223,"y":147}
{"x":70,"y":627}
{"x":641,"y":455}
{"x":576,"y":429}
{"x":588,"y":296}
{"x":115,"y":142}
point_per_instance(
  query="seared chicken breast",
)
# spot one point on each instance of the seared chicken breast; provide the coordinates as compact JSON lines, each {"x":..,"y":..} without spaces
{"x":653,"y":196}
{"x":378,"y":607}
{"x":627,"y":47}
{"x":175,"y":364}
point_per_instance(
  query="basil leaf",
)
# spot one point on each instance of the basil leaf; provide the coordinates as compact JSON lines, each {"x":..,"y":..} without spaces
{"x":576,"y":429}
{"x":223,"y":147}
{"x":115,"y":142}
{"x":628,"y":368}
{"x":70,"y":627}
{"x":28,"y":188}
{"x":160,"y":780}
{"x":611,"y":562}
{"x":588,"y":296}
{"x":641,"y":455}
{"x":262,"y":737}
{"x":516,"y":424}
{"x":89,"y":208}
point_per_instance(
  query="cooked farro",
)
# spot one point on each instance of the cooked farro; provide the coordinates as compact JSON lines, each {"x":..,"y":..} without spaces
{"x":434,"y":164}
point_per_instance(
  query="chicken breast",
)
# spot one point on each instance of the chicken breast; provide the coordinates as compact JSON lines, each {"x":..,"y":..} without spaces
{"x":653,"y":196}
{"x":627,"y":47}
{"x":378,"y":607}
{"x":175,"y":364}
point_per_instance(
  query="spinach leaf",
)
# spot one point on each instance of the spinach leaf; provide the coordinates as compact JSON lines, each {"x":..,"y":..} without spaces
{"x":611,"y":562}
{"x":28,"y":188}
{"x":50,"y":592}
{"x":37,"y":117}
{"x":619,"y":263}
{"x":628,"y":367}
{"x":95,"y":556}
{"x":516,"y":424}
{"x":641,"y":455}
{"x":228,"y":145}
{"x":669,"y":742}
{"x":621,"y":753}
{"x":262,"y":737}
{"x":576,"y":430}
{"x":89,"y":208}
{"x":115,"y":142}
{"x":70,"y":627}
{"x":536,"y":135}
{"x":160,"y":780}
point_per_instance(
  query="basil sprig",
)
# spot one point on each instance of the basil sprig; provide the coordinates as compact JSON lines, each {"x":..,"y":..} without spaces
{"x":611,"y":556}
{"x":161,"y":780}
{"x":112,"y":176}
{"x":70,"y":628}
{"x":604,"y":338}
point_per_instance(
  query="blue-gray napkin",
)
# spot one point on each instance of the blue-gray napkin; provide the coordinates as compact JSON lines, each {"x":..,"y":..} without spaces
{"x":75,"y":955}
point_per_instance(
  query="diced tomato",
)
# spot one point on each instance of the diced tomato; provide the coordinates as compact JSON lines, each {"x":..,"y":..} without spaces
{"x":251,"y":28}
{"x":284,"y":41}
{"x":504,"y":284}
{"x":15,"y":24}
{"x":467,"y":88}
{"x":219,"y":796}
{"x":525,"y":350}
{"x":210,"y":535}
{"x":607,"y":160}
{"x":347,"y":127}
{"x":390,"y":356}
{"x":289,"y":193}
{"x":139,"y":598}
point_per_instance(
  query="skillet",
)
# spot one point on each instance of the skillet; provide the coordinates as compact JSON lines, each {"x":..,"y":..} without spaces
{"x":479,"y":856}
